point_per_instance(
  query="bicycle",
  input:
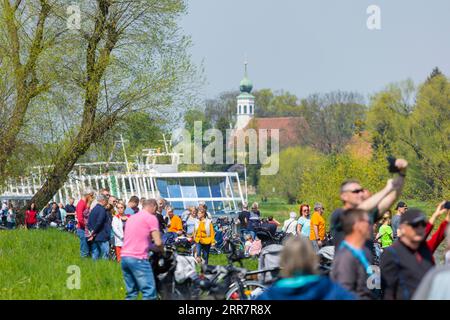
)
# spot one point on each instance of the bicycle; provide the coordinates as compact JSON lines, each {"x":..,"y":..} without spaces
{"x":224,"y":240}
{"x":230,"y":282}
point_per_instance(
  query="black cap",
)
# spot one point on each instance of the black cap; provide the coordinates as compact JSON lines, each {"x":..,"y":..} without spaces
{"x":401,"y":204}
{"x":413,"y":216}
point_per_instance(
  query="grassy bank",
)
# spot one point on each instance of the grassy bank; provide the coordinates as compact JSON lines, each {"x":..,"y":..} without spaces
{"x":34,"y":265}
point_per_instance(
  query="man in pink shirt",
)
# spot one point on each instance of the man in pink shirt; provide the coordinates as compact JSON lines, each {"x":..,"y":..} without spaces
{"x":140,"y":230}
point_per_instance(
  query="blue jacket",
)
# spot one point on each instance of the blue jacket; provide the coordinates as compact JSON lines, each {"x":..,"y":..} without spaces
{"x":99,"y":223}
{"x":306,"y":287}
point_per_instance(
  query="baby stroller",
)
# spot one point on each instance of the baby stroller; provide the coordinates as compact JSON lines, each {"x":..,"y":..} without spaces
{"x":267,"y":238}
{"x":326,"y":256}
{"x":269,"y":260}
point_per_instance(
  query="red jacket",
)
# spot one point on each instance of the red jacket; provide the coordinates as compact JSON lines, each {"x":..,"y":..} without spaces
{"x":436,"y":239}
{"x":31,"y":217}
{"x":81,"y":206}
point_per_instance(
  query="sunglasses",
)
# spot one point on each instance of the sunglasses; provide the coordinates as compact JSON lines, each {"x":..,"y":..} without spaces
{"x":418,"y":224}
{"x":357,"y":191}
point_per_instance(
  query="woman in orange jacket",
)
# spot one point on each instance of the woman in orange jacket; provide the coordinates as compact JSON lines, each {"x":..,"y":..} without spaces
{"x":203,"y":236}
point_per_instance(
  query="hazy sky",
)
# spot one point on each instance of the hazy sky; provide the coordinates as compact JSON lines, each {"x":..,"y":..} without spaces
{"x":317,"y":45}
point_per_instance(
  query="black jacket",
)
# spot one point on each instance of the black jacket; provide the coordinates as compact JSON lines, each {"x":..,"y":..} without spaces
{"x":402,"y":270}
{"x":70,"y":208}
{"x":99,"y":223}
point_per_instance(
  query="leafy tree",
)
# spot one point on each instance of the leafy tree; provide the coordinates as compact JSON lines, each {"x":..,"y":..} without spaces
{"x":418,"y":131}
{"x":278,"y":104}
{"x":321,"y":182}
{"x":294,"y":163}
{"x":429,"y":134}
{"x":436,"y":72}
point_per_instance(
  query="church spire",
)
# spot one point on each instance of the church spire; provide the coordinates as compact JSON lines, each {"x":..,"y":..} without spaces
{"x":245,"y":66}
{"x":246,"y":85}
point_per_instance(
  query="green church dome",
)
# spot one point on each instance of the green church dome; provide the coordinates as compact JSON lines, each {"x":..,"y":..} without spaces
{"x":246,"y":84}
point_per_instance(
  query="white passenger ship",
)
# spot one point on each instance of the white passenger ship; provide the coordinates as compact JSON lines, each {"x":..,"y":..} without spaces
{"x":148,"y":178}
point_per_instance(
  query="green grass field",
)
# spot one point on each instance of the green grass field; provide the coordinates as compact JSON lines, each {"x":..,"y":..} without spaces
{"x":34,"y":264}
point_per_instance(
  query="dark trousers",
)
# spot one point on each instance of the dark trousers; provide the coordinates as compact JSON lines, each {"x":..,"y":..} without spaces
{"x":203,"y":251}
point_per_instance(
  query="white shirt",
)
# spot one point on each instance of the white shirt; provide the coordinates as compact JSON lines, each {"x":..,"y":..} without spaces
{"x":117,"y":228}
{"x":290,"y":226}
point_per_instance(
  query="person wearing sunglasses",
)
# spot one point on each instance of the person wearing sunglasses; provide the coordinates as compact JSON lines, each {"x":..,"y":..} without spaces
{"x":354,"y":196}
{"x":405,"y":263}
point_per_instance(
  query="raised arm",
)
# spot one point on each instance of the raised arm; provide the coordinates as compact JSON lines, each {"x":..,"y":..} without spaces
{"x":375,"y":200}
{"x":384,"y":199}
{"x":438,"y":212}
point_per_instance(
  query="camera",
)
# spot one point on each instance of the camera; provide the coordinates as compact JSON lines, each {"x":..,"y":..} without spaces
{"x":446,"y":205}
{"x":391,"y":164}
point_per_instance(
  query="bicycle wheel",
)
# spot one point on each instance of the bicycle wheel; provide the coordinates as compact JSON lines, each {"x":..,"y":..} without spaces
{"x":252,"y":290}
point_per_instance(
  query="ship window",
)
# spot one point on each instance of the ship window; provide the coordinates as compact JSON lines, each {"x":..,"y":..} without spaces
{"x":173,"y":186}
{"x":188,"y":188}
{"x":215,"y":188}
{"x":210,"y":206}
{"x":162,"y":188}
{"x":192,"y":190}
{"x":202,"y":188}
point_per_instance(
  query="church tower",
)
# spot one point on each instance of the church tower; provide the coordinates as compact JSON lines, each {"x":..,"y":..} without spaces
{"x":245,"y":108}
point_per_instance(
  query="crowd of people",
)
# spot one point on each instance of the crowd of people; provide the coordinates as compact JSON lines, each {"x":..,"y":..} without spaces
{"x":378,"y":254}
{"x":136,"y":228}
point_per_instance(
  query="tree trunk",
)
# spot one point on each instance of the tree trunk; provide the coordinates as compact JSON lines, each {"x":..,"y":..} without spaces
{"x":69,"y":156}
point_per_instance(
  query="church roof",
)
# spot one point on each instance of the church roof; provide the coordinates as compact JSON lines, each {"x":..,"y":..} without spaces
{"x":292,"y":130}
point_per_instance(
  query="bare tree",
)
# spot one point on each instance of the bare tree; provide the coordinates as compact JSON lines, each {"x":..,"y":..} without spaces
{"x":332,"y":119}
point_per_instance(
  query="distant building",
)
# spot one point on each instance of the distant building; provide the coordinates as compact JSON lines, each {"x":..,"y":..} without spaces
{"x":245,"y":107}
{"x":291,"y":129}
